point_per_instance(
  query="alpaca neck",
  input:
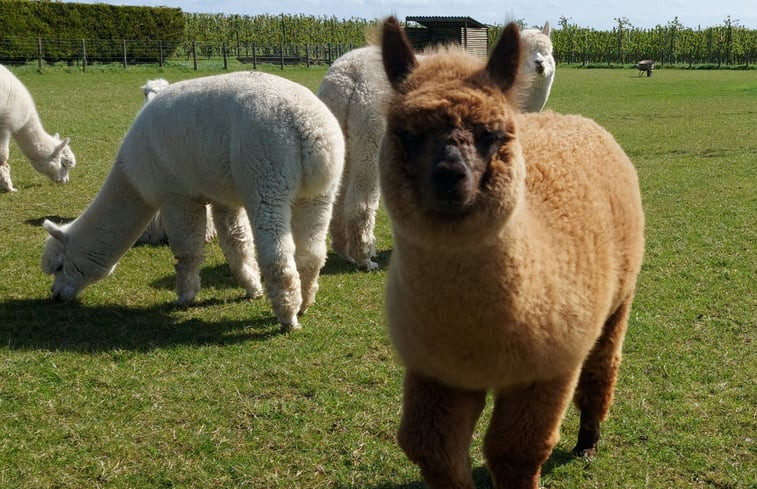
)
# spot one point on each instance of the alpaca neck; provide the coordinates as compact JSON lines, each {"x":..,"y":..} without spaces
{"x":112,"y":222}
{"x":34,"y":142}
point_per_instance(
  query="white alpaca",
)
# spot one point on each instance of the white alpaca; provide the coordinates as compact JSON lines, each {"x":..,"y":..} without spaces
{"x":152,"y":87}
{"x":355,"y":89}
{"x":243,"y":139}
{"x":538,"y":63}
{"x":155,"y":233}
{"x":49,"y":155}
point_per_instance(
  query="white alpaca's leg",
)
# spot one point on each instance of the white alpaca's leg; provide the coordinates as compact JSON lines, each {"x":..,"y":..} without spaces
{"x":210,"y":229}
{"x":235,"y":239}
{"x":361,"y":202}
{"x":310,"y":221}
{"x":271,"y":227}
{"x":184,"y":222}
{"x":338,"y":225}
{"x":6,"y":185}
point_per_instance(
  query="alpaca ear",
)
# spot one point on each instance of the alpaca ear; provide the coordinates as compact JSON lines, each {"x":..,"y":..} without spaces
{"x":60,"y":146}
{"x":396,"y":52}
{"x":54,"y":231}
{"x":546,"y":30}
{"x":503,"y":63}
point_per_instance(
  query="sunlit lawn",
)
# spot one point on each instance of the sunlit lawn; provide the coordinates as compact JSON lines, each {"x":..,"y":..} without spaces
{"x":123,"y":390}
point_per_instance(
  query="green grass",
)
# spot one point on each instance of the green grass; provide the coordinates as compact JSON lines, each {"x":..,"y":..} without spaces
{"x":123,"y":390}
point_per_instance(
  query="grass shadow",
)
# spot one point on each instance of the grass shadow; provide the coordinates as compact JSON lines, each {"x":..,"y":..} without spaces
{"x":481,"y":476}
{"x":336,"y":265}
{"x":32,"y":324}
{"x":219,"y":276}
{"x":54,"y":219}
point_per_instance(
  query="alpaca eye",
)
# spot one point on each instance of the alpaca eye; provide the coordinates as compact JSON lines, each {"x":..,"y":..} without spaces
{"x":488,"y":141}
{"x":59,"y":268}
{"x":411,"y":143}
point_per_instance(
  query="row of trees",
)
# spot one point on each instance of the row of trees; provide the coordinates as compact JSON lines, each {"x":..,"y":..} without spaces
{"x":69,"y":31}
{"x":673,"y":43}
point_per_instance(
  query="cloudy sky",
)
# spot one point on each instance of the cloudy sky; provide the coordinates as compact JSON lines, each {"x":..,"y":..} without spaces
{"x":598,"y":14}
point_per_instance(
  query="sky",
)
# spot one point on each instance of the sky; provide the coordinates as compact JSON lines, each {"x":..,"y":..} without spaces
{"x":598,"y":14}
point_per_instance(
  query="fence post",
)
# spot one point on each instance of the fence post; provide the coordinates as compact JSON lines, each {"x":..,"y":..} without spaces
{"x":83,"y":56}
{"x":225,"y":60}
{"x":307,"y":55}
{"x":39,"y":50}
{"x":281,"y":54}
{"x":254,"y":58}
{"x":194,"y":54}
{"x":123,"y":44}
{"x":160,"y":54}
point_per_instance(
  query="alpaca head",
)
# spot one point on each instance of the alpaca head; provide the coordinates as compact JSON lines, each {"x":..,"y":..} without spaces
{"x":450,"y":158}
{"x":152,"y":87}
{"x":58,"y":163}
{"x":537,"y":53}
{"x":70,"y":273}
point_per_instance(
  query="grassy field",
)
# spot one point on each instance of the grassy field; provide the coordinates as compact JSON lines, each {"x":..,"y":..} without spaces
{"x":123,"y":390}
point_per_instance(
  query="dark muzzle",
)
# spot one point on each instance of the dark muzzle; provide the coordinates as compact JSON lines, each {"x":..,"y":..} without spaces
{"x":451,"y":179}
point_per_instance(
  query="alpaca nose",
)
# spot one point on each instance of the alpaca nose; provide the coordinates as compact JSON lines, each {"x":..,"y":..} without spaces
{"x":450,"y":176}
{"x":540,"y":66}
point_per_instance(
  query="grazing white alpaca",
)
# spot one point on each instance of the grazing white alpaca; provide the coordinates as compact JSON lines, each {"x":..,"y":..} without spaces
{"x":538,"y":63}
{"x":152,"y":87}
{"x":49,"y":155}
{"x":155,"y":233}
{"x":355,"y":89}
{"x":243,"y":139}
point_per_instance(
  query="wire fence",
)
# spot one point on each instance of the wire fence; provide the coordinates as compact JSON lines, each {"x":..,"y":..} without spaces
{"x":83,"y":52}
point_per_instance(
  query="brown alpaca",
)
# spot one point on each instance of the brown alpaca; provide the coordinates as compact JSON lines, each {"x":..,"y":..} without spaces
{"x":517,"y":243}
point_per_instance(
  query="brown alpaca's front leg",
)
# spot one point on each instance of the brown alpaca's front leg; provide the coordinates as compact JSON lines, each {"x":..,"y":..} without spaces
{"x":597,"y":383}
{"x":524,"y":429}
{"x":436,"y":430}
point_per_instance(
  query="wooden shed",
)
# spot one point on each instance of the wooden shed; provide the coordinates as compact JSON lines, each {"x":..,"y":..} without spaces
{"x":469,"y":33}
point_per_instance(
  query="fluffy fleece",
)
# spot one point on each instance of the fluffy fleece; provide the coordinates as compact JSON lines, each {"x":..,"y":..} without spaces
{"x":518,"y":239}
{"x":355,"y":89}
{"x":539,"y":64}
{"x":243,"y":139}
{"x":49,"y":155}
{"x":155,"y":233}
{"x":152,"y":87}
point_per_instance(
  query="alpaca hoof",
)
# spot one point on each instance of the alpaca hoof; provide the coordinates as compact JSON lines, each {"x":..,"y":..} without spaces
{"x":253,"y":294}
{"x":185,"y":299}
{"x":344,"y":256}
{"x":586,"y":453}
{"x":287,"y":326}
{"x":368,"y":265}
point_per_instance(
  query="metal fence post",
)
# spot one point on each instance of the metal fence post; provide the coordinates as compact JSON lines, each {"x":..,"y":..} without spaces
{"x":194,"y":54}
{"x":225,"y":59}
{"x":39,"y":50}
{"x":83,"y":55}
{"x":124,"y":48}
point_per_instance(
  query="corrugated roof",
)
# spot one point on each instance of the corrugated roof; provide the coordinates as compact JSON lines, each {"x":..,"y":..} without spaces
{"x":432,"y":20}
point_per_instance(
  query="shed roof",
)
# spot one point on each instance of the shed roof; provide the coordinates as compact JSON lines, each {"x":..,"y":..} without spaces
{"x":437,"y":20}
